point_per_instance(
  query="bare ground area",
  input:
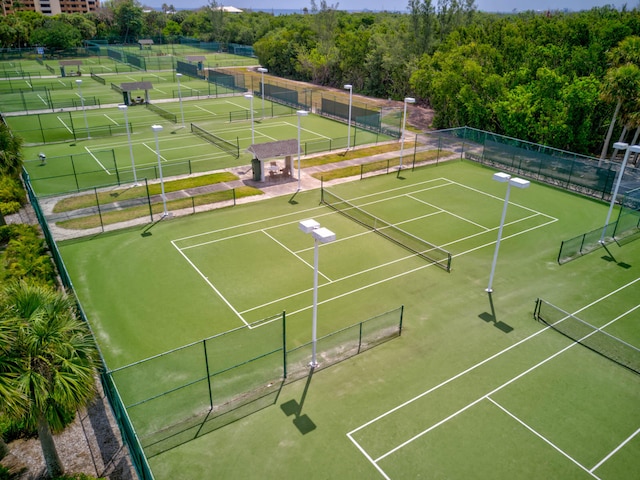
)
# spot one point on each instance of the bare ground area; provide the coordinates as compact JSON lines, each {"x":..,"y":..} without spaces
{"x":92,"y":445}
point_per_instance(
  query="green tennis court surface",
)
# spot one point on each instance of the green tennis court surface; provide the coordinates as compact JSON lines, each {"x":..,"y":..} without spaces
{"x":474,"y":387}
{"x":105,"y":158}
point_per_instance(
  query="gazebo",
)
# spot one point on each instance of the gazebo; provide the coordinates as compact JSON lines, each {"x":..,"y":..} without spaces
{"x":272,"y":152}
{"x":145,"y":43}
{"x":129,"y":87}
{"x":70,"y":63}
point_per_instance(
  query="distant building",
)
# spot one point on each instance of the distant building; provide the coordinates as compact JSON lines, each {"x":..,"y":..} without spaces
{"x":50,"y":7}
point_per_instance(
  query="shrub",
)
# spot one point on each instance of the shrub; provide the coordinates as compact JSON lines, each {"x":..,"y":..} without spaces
{"x":7,"y":208}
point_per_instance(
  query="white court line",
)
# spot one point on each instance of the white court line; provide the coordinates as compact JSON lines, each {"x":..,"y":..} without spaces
{"x":62,"y":82}
{"x":307,"y":130}
{"x":450,"y":213}
{"x":544,"y":439}
{"x":96,"y":159}
{"x":27,"y":82}
{"x":159,"y":90}
{"x":470,"y":369}
{"x":154,"y":151}
{"x":205,"y":110}
{"x":43,"y":100}
{"x":615,"y":450}
{"x":65,"y":125}
{"x":243,"y":107}
{"x":206,"y":279}
{"x":296,"y":255}
{"x":111,"y":119}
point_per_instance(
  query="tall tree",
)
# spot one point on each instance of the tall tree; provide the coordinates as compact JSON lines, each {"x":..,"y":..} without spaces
{"x":55,"y":357}
{"x":10,"y":152}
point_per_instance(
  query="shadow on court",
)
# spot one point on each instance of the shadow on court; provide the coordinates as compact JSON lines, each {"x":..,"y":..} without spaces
{"x":490,"y":317}
{"x":610,"y":258}
{"x":302,"y":421}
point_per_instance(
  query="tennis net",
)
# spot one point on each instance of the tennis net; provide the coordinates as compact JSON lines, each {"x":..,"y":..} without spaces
{"x":420,"y":247}
{"x":172,"y":117}
{"x":585,"y":334}
{"x":226,"y":145}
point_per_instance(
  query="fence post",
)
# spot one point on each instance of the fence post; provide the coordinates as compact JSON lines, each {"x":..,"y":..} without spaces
{"x":401,"y":317}
{"x":146,"y":184}
{"x":360,"y":336}
{"x":95,"y":191}
{"x":75,"y":175}
{"x":206,"y":364}
{"x":284,"y":344}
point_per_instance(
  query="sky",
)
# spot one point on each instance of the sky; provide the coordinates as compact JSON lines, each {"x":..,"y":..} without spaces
{"x":401,"y":5}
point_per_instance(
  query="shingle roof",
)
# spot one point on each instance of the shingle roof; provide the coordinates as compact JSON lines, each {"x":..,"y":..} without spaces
{"x":130,"y":86}
{"x":281,"y":148}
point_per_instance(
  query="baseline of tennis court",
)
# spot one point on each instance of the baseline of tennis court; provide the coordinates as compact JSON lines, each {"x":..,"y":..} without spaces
{"x":551,"y":417}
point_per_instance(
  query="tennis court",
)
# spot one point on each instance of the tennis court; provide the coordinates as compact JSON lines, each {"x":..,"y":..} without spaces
{"x":474,"y":387}
{"x":105,"y":158}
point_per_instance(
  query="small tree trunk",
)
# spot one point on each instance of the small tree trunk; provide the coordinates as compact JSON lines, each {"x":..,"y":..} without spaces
{"x":605,"y":147}
{"x":51,"y":458}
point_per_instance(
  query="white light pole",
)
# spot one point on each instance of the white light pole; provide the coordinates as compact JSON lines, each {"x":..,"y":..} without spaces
{"x":262,"y":71}
{"x":350,"y":88}
{"x":511,"y":182}
{"x":156,"y":129}
{"x":404,"y":123}
{"x":124,"y":109}
{"x":320,"y":235}
{"x":618,"y":146}
{"x":250,"y":97}
{"x":301,"y":113}
{"x":178,"y":75}
{"x":84,"y":110}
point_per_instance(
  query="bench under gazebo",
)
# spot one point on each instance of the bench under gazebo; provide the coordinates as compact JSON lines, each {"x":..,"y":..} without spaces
{"x":278,"y":154}
{"x":129,"y":87}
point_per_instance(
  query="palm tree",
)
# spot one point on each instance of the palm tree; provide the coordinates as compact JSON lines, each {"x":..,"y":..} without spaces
{"x":622,"y":85}
{"x":10,"y":152}
{"x":618,"y":83}
{"x":56,"y":359}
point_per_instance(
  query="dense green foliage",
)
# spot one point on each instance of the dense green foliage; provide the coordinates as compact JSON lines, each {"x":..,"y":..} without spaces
{"x":558,"y":78}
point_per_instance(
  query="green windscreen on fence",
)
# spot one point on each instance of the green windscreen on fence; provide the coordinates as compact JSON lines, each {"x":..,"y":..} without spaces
{"x":420,"y":247}
{"x":588,"y":335}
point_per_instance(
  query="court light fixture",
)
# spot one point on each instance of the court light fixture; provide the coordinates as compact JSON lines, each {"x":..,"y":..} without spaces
{"x":124,"y":109}
{"x":511,"y":182}
{"x":404,"y":124}
{"x":301,"y":113}
{"x":320,"y":235}
{"x":156,"y":129}
{"x":614,"y":195}
{"x":84,"y":110}
{"x":250,"y":97}
{"x":262,"y":71}
{"x":350,"y":88}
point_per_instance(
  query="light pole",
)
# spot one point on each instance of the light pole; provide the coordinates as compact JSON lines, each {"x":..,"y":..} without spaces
{"x":156,"y":129}
{"x":250,"y":97}
{"x":84,"y":110}
{"x":178,"y":75}
{"x":618,"y":146}
{"x":350,"y":88}
{"x":511,"y":182}
{"x":262,"y":71}
{"x":124,"y":109}
{"x":404,"y":123}
{"x":320,"y":235}
{"x":301,"y":113}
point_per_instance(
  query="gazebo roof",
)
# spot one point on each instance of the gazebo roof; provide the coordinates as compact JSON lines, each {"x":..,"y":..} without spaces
{"x":280,"y":148}
{"x":145,"y":41}
{"x":69,"y":63}
{"x":130,"y":86}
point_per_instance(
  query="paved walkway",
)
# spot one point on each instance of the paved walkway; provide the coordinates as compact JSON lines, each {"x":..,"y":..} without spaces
{"x":270,"y":188}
